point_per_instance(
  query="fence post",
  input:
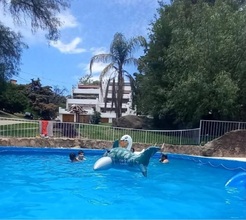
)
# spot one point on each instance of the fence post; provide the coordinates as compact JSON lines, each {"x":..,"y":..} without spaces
{"x":238,"y":126}
{"x":113,"y":133}
{"x":199,"y":133}
{"x":145,"y":137}
{"x":180,"y":141}
{"x":79,"y":131}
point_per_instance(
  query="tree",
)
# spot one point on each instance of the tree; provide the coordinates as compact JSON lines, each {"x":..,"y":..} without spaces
{"x":195,"y":65}
{"x":58,"y":96}
{"x":87,"y":80}
{"x":14,"y":99}
{"x":39,"y":100}
{"x":120,"y":55}
{"x":152,"y":83}
{"x":43,"y":101}
{"x":11,"y":48}
{"x":96,"y":117}
{"x":41,"y":13}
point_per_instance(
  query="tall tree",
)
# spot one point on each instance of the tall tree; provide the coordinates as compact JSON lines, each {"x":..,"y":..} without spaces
{"x":120,"y":55}
{"x":152,"y":82}
{"x":42,"y":100}
{"x":42,"y":14}
{"x":58,"y":96}
{"x":197,"y":51}
{"x":11,"y":47}
{"x":14,"y":99}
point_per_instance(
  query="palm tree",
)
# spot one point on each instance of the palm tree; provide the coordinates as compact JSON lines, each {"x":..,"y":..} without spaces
{"x":120,"y":55}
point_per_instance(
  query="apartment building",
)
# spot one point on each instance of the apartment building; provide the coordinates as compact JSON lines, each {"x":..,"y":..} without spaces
{"x":87,"y":98}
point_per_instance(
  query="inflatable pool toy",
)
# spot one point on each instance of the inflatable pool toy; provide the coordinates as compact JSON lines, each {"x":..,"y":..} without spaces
{"x":122,"y":158}
{"x":126,"y":142}
{"x":239,"y":180}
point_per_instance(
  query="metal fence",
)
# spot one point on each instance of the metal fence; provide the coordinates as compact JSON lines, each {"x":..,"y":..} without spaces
{"x":14,"y":127}
{"x":20,"y":128}
{"x":209,"y":130}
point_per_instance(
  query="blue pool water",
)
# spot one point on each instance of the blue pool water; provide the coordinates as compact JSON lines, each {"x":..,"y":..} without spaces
{"x":43,"y":183}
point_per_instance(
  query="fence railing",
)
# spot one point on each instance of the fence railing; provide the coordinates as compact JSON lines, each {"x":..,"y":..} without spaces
{"x":19,"y":128}
{"x":208,"y":130}
{"x":14,"y":127}
{"x":211,"y":129}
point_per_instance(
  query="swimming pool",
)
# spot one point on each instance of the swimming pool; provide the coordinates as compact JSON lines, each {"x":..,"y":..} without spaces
{"x":43,"y":183}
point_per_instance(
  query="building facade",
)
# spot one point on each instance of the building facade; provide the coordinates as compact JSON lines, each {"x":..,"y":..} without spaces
{"x":89,"y":98}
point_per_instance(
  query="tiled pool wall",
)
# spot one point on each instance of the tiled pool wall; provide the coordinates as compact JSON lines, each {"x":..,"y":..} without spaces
{"x":214,"y":162}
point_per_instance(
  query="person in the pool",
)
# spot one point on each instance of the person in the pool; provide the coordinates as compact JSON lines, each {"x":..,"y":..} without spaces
{"x":75,"y":158}
{"x":164,"y":158}
{"x":81,"y":155}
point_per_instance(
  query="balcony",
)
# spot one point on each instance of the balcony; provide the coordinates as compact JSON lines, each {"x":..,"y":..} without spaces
{"x":86,"y":91}
{"x":82,"y":101}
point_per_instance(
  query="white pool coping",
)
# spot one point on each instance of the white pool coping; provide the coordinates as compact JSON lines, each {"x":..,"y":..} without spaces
{"x":231,"y":158}
{"x":222,"y":158}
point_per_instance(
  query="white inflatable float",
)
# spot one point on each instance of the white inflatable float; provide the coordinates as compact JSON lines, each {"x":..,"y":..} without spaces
{"x":123,"y":158}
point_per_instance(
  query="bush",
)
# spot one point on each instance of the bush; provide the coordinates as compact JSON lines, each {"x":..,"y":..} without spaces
{"x":95,"y":118}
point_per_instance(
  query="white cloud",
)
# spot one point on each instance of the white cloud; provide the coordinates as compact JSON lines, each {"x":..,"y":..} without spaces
{"x":68,"y":20}
{"x":70,"y":48}
{"x":97,"y":67}
{"x":99,"y":50}
{"x":96,"y":70}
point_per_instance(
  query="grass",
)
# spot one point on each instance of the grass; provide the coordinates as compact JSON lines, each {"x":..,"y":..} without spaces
{"x":139,"y":136}
{"x":20,"y":130}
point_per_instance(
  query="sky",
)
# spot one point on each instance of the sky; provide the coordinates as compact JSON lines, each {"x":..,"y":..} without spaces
{"x":88,"y":29}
